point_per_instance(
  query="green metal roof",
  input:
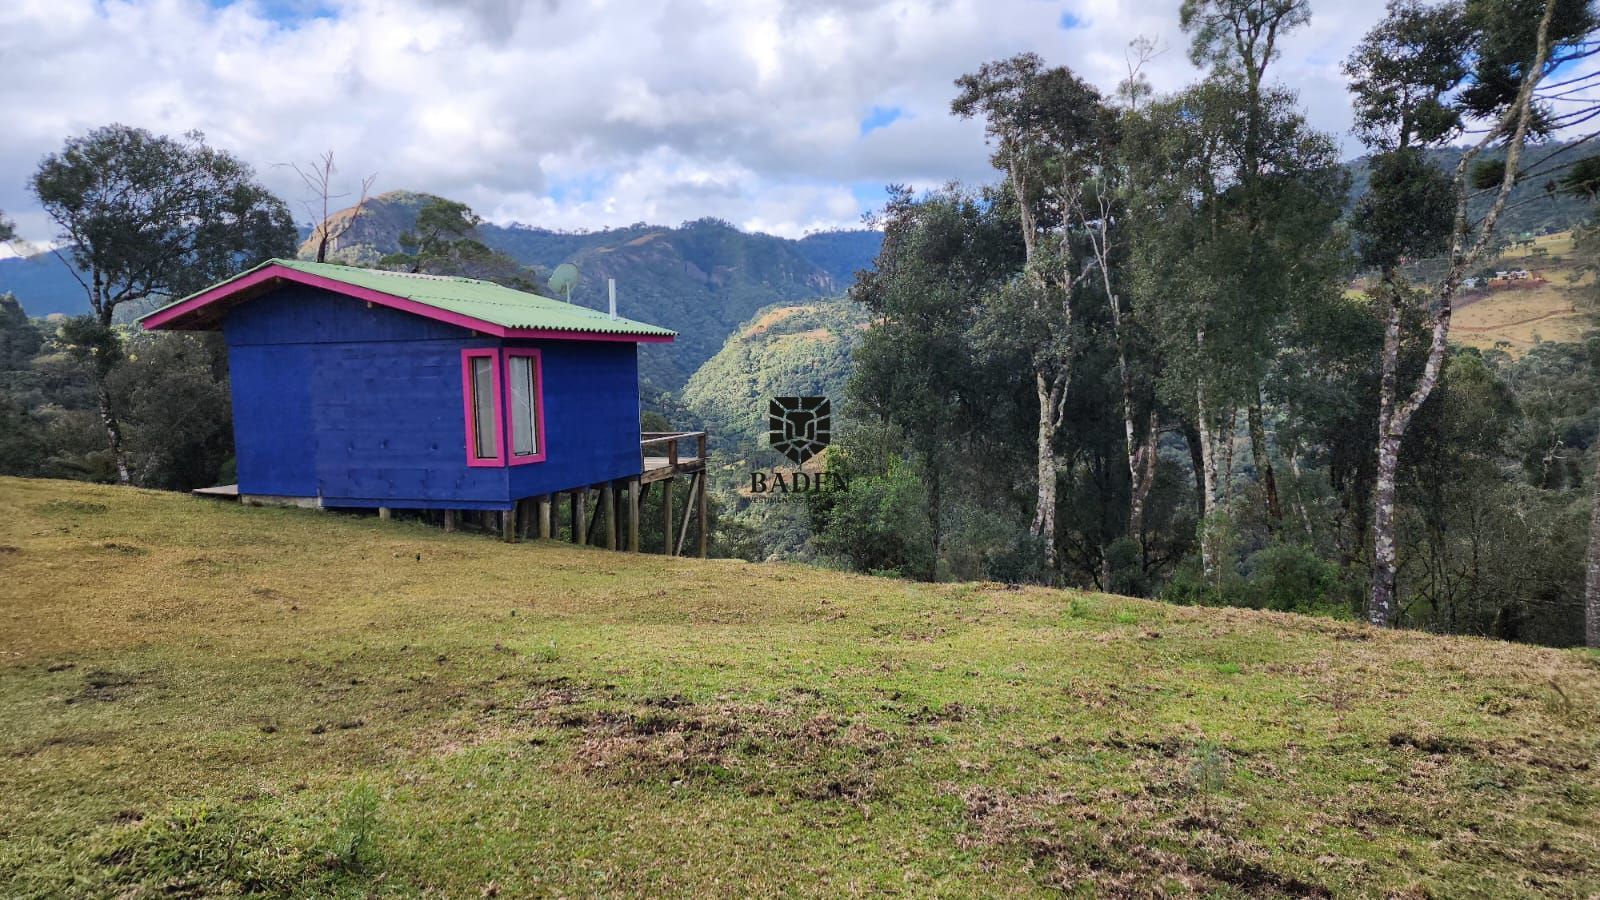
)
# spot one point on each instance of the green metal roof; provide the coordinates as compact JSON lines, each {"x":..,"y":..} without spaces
{"x":479,"y":300}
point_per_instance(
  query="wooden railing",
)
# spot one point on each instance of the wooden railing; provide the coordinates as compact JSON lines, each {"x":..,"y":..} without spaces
{"x":670,"y":440}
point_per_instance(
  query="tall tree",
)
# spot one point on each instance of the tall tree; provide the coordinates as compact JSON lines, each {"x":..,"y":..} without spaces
{"x":1239,"y":39}
{"x":1099,"y":212}
{"x":1418,"y":77}
{"x":1221,"y":266}
{"x":318,"y":179}
{"x":1048,"y":129}
{"x":147,"y":216}
{"x":941,"y":255}
{"x":8,"y":230}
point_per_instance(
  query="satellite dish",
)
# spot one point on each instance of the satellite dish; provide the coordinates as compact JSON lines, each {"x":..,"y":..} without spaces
{"x":563,"y":279}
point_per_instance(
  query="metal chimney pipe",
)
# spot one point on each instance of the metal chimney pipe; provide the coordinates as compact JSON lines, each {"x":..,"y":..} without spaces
{"x":611,"y":284}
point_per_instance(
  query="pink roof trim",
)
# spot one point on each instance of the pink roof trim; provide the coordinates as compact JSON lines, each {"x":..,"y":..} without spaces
{"x":284,"y":273}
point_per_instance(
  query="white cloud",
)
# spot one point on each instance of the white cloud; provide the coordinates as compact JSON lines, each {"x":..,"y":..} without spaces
{"x":589,"y":113}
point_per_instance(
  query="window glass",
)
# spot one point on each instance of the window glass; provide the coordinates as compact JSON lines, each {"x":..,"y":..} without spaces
{"x":483,"y":407}
{"x":523,"y":440}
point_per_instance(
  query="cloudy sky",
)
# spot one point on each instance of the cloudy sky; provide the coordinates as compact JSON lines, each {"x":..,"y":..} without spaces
{"x":777,"y":115}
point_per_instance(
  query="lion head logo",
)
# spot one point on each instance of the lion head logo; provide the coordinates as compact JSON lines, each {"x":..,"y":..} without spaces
{"x":799,"y":427}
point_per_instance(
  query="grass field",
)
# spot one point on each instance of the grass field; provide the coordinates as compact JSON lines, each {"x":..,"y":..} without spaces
{"x":203,"y":699}
{"x":1515,"y":320}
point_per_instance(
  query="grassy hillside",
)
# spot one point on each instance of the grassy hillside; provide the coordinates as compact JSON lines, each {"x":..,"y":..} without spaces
{"x":1560,"y":308}
{"x":200,"y":699}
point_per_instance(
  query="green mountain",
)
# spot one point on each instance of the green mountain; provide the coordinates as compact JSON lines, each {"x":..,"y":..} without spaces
{"x":1534,"y":207}
{"x":700,"y":279}
{"x":801,"y":350}
{"x":43,"y":284}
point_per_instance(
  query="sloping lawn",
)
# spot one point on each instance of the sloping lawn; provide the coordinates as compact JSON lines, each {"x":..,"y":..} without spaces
{"x":203,"y":699}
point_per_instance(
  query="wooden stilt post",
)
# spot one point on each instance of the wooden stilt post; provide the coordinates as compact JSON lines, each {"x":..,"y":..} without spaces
{"x":524,"y":519}
{"x":688,"y":511}
{"x":508,"y":525}
{"x":633,"y":515}
{"x":449,"y":520}
{"x":608,"y":503}
{"x":666,"y":515}
{"x":619,"y":500}
{"x":594,"y":516}
{"x":383,"y":513}
{"x":705,"y":536}
{"x":580,"y":516}
{"x":544,"y":516}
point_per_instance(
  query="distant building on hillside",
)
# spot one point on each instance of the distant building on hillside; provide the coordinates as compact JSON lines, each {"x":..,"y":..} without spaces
{"x":358,"y":388}
{"x":1513,"y":275}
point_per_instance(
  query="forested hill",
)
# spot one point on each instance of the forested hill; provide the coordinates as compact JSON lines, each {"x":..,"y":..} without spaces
{"x":800,"y":350}
{"x":1534,"y":207}
{"x":702,"y":278}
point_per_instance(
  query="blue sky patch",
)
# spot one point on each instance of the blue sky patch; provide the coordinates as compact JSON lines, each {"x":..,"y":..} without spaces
{"x":1070,"y":21}
{"x":288,"y":13}
{"x":581,"y":189}
{"x":881,"y":117}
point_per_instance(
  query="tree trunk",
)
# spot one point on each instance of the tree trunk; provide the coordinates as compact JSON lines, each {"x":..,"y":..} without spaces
{"x":1208,"y":468}
{"x":1299,"y":491}
{"x":935,"y":514}
{"x":1226,"y":445}
{"x":1197,"y":462}
{"x":1394,"y":415}
{"x":1380,"y":602}
{"x":1044,"y":515}
{"x":1262,"y":459}
{"x":1591,"y":585}
{"x":1142,"y":472}
{"x":108,"y":416}
{"x":113,"y":433}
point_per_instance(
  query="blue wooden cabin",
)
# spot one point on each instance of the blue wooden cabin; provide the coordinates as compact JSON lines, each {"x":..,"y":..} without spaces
{"x":358,"y":388}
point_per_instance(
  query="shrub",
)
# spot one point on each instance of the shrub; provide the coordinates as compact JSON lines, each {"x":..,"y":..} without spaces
{"x":1291,"y":577}
{"x":352,"y":840}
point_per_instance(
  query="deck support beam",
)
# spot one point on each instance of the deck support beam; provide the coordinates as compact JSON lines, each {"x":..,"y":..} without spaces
{"x":449,"y":520}
{"x":508,"y":525}
{"x":383,"y":513}
{"x":608,"y":504}
{"x":666,"y":515}
{"x":633,"y":515}
{"x":688,"y":510}
{"x":580,"y":517}
{"x":704,"y":506}
{"x":619,"y":514}
{"x":544,"y":516}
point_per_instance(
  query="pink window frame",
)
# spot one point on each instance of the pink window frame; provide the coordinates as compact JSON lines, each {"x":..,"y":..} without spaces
{"x":541,"y":443}
{"x":495,"y":403}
